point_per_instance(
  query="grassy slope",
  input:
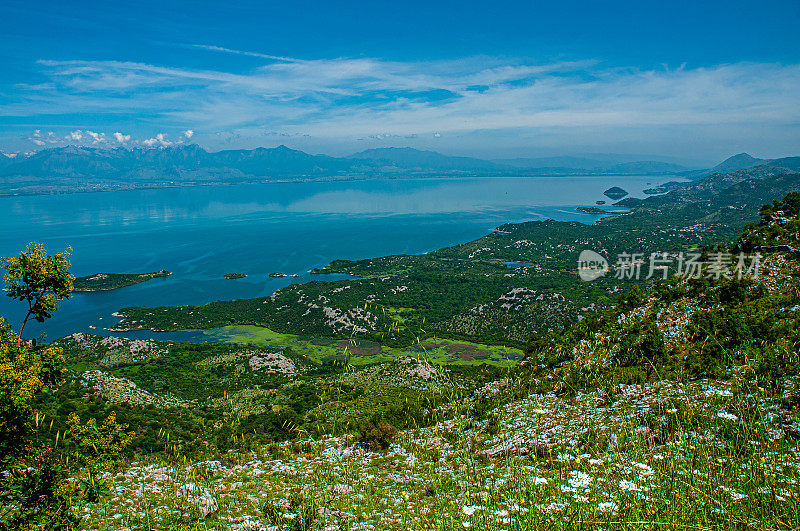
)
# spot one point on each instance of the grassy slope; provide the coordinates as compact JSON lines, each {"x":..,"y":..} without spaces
{"x":208,"y":394}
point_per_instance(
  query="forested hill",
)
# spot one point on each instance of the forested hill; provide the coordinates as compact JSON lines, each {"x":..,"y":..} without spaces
{"x":744,"y":161}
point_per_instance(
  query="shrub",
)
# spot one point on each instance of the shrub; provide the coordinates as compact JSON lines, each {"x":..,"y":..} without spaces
{"x":378,"y":437}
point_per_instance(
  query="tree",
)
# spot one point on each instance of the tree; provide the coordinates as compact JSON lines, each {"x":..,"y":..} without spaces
{"x":39,"y":279}
{"x":44,"y":479}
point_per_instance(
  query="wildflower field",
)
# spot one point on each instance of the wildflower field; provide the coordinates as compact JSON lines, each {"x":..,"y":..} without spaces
{"x":658,"y":456}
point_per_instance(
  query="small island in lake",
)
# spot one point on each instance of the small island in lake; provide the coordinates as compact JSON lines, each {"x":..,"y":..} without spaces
{"x":615,"y":193}
{"x":277,"y":275}
{"x":592,"y":210}
{"x":109,"y":281}
{"x":233,"y":276}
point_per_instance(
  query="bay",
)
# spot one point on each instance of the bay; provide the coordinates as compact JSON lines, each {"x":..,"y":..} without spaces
{"x":201,"y":233}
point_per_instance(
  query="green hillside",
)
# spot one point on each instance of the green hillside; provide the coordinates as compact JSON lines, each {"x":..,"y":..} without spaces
{"x":682,"y":391}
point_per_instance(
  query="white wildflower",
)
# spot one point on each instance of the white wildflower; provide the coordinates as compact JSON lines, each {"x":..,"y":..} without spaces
{"x":607,"y":507}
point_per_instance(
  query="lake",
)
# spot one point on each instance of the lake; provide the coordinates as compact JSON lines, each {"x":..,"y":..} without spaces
{"x":201,"y":233}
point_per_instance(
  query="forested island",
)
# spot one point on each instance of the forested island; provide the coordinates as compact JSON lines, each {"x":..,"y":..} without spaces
{"x":109,"y":281}
{"x":593,"y":210}
{"x":615,"y":192}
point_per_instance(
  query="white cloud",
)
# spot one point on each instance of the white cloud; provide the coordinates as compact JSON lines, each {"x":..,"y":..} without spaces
{"x":188,"y":133}
{"x":122,"y":138}
{"x":159,"y":140}
{"x":362,"y":97}
{"x":75,"y":135}
{"x":97,"y":138}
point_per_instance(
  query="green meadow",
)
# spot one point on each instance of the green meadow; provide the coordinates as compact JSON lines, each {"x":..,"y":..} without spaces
{"x":362,"y":352}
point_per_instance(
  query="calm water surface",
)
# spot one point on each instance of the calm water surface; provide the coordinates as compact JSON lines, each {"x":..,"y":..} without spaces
{"x":201,"y":233}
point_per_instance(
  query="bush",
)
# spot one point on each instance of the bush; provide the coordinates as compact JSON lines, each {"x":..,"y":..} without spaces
{"x":378,"y":437}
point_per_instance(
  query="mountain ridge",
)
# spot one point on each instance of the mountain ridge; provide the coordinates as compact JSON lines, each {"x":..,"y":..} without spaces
{"x":84,"y":168}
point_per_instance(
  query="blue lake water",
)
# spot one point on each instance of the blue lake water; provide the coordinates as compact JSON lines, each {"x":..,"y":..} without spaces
{"x":201,"y":233}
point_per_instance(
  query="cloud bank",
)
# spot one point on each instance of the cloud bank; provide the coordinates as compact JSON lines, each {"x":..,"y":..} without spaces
{"x":369,"y":98}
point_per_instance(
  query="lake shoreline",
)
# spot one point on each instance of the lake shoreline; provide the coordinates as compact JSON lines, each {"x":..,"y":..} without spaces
{"x":327,"y":179}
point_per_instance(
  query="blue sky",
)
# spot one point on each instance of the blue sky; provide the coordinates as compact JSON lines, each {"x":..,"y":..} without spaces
{"x":689,"y":80}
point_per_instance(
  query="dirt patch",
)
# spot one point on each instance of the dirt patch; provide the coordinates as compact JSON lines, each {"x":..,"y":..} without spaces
{"x":359,"y":349}
{"x":465,"y":351}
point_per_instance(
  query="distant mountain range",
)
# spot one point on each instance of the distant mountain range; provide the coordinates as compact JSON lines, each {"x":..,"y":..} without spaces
{"x":76,"y":169}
